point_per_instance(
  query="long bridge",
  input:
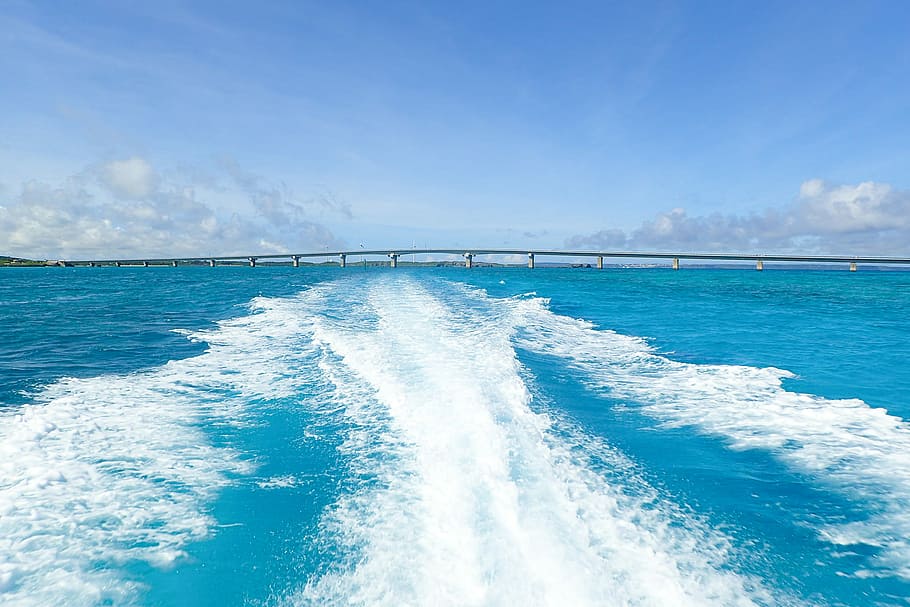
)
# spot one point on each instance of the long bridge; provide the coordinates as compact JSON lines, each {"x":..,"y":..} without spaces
{"x":469,"y":254}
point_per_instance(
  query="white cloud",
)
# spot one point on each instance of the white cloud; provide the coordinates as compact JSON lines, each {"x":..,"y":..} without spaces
{"x":868,"y":218}
{"x":811,"y":188}
{"x":131,"y":211}
{"x":275,"y":201}
{"x":130,"y":178}
{"x":865,"y":207}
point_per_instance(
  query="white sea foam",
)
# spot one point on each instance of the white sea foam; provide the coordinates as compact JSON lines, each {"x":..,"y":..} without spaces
{"x":279,"y":482}
{"x":99,"y":473}
{"x":860,"y":451}
{"x":466,"y":496}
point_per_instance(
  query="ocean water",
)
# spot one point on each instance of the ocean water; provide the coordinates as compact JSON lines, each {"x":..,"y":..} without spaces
{"x":368,"y":436}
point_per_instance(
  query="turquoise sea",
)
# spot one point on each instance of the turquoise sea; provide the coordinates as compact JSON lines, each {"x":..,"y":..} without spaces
{"x":444,"y":437}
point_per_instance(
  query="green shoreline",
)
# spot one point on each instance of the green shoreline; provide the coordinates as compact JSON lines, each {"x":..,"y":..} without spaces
{"x":20,"y":262}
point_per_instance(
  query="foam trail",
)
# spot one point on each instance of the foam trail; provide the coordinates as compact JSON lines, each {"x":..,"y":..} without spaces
{"x":99,"y":473}
{"x":465,"y":496}
{"x":860,"y":451}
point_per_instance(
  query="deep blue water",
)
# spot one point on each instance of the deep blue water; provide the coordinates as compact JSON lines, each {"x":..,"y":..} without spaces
{"x":368,"y":436}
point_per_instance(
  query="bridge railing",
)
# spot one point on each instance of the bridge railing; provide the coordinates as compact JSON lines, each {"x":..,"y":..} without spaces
{"x":469,"y":256}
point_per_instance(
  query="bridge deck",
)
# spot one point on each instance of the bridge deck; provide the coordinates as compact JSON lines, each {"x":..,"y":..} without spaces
{"x":524,"y":252}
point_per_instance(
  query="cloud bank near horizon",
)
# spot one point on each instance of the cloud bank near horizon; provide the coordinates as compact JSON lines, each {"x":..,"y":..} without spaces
{"x":127,"y":208}
{"x":868,"y":218}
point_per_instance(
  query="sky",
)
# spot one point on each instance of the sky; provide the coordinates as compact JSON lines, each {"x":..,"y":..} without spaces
{"x":218,"y":128}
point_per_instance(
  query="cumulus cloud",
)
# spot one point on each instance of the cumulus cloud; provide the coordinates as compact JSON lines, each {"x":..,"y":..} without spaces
{"x":130,"y":178}
{"x":848,"y":209}
{"x":127,"y":209}
{"x":867,"y":218}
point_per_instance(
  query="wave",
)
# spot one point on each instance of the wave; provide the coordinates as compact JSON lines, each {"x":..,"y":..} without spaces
{"x":845,"y":445}
{"x":464,"y":494}
{"x":98,"y":474}
{"x":461,"y":484}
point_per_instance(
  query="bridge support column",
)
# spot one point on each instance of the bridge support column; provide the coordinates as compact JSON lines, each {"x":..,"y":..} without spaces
{"x":759,"y":265}
{"x":145,"y":264}
{"x":676,"y":263}
{"x":252,"y":262}
{"x":600,"y":262}
{"x":117,"y":263}
{"x":469,"y":260}
{"x":295,"y":261}
{"x":173,"y":264}
{"x":393,"y":259}
{"x":853,"y":266}
{"x":531,"y":260}
{"x":211,"y":263}
{"x":342,"y":260}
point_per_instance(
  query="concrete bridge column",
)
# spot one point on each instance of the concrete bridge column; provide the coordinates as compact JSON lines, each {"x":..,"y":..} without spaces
{"x":759,"y":265}
{"x":252,"y":262}
{"x":342,"y":260}
{"x":393,"y":259}
{"x":295,"y":261}
{"x":211,"y":263}
{"x":600,"y":262}
{"x":145,"y":264}
{"x":469,"y":260}
{"x":853,"y":266}
{"x":531,"y":260}
{"x":676,"y":263}
{"x":173,"y":264}
{"x":117,"y":263}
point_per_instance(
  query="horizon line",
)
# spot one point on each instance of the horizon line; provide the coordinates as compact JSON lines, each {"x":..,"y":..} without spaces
{"x":478,"y":251}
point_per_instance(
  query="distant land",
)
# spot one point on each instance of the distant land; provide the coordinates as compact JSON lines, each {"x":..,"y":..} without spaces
{"x":6,"y":260}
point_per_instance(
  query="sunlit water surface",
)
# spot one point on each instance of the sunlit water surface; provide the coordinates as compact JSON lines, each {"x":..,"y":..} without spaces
{"x":317,"y":436}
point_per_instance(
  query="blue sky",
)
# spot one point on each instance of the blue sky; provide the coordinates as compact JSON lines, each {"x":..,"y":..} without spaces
{"x":223,"y":127}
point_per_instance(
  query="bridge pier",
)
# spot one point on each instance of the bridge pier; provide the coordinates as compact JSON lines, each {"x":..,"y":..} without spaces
{"x":852,"y":262}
